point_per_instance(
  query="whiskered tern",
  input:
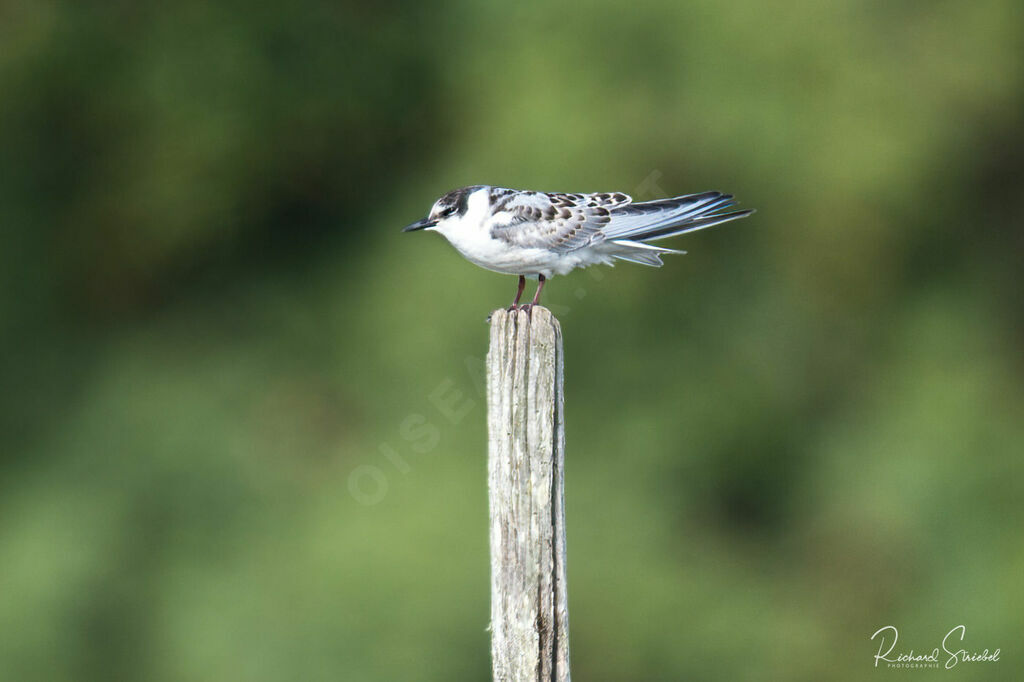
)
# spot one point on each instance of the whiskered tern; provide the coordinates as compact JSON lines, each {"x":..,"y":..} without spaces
{"x":542,"y":234}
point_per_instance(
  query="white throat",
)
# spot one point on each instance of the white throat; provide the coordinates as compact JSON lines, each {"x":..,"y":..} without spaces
{"x":470,"y":226}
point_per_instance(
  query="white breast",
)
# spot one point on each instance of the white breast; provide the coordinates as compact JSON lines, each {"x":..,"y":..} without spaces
{"x":471,"y":236}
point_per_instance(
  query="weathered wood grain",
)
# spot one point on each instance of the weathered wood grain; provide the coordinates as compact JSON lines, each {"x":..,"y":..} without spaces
{"x":526,"y":443}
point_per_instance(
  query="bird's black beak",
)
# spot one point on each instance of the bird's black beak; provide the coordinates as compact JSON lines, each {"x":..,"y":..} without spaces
{"x":419,"y":225}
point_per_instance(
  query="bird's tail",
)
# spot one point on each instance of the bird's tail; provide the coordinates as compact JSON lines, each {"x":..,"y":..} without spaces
{"x":634,"y":224}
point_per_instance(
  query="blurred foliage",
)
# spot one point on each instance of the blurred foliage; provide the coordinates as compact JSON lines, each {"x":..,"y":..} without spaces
{"x":212,"y":333}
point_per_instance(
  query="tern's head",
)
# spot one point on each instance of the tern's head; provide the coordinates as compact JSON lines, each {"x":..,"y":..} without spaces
{"x":451,"y":206}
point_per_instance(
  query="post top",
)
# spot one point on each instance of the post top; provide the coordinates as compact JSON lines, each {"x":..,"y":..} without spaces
{"x":536,"y":314}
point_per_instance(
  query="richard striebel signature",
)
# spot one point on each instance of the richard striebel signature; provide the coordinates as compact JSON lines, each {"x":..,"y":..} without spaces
{"x":953,"y":656}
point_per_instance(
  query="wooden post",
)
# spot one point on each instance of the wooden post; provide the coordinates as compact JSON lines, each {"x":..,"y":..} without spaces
{"x":526,"y":443}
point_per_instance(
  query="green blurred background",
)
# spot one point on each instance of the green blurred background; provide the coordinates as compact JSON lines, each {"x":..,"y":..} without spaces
{"x":228,"y":447}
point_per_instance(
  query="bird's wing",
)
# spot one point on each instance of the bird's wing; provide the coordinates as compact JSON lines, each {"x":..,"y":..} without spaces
{"x":664,"y":218}
{"x":555,"y":221}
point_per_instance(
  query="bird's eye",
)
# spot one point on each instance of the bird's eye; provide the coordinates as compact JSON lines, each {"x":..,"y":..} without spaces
{"x":448,"y":211}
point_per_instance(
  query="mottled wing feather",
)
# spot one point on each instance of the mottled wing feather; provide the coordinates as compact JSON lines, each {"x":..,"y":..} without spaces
{"x":554,"y":220}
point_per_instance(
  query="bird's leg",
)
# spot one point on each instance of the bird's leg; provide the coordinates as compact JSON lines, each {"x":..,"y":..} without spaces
{"x":536,"y":296}
{"x":519,"y":293}
{"x":540,"y":285}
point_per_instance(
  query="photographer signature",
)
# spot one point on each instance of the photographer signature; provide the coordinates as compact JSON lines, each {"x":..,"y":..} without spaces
{"x":930,"y":659}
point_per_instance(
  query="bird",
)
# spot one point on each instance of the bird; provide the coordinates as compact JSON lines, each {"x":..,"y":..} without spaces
{"x":543,"y":234}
